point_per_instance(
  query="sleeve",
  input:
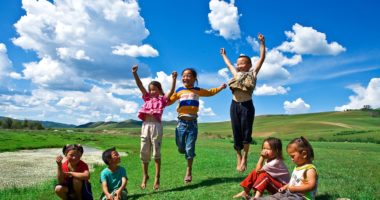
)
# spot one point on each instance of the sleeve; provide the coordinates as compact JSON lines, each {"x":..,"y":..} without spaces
{"x":210,"y":92}
{"x":124,"y":173}
{"x":270,"y":166}
{"x":173,"y":99}
{"x":103,"y":176}
{"x":145,"y":97}
{"x":82,"y":167}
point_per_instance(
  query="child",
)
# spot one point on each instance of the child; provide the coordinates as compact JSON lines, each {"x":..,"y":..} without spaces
{"x":73,"y":175}
{"x":187,"y":127}
{"x":271,"y":175}
{"x":242,"y":110}
{"x":151,"y":132}
{"x":113,"y":178}
{"x":303,"y":183}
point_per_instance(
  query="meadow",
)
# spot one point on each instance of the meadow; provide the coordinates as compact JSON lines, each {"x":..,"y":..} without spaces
{"x":346,"y":150}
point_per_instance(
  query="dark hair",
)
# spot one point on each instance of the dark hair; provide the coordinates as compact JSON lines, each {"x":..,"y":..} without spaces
{"x":69,"y":147}
{"x":303,"y":145}
{"x":276,"y":146}
{"x":192,"y":72}
{"x":158,"y":85}
{"x":107,"y":155}
{"x":246,"y":57}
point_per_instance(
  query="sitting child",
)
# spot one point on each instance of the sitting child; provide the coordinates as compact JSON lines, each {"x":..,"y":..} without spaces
{"x":73,"y":175}
{"x":271,"y":175}
{"x":304,"y":180}
{"x":114,"y":177}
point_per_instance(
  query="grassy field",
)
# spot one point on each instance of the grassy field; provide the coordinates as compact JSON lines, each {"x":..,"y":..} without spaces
{"x":346,"y":169}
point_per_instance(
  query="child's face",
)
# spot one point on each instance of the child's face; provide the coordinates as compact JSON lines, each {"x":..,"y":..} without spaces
{"x":115,"y":157}
{"x":243,"y":65}
{"x":298,"y":158}
{"x":153,"y":90}
{"x":188,"y":79}
{"x":73,"y":156}
{"x":269,"y":154}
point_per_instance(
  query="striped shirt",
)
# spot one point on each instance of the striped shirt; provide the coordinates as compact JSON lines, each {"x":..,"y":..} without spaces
{"x":189,"y":100}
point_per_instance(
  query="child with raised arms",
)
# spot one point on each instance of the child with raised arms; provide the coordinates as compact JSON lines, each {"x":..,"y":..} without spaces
{"x":152,"y":131}
{"x":270,"y":173}
{"x":242,"y":110}
{"x":187,"y":126}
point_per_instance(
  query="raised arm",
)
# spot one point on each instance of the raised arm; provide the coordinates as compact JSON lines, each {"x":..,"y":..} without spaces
{"x":227,"y":61}
{"x":137,"y":79}
{"x":262,"y":54}
{"x":60,"y":174}
{"x":171,"y":92}
{"x":261,"y":160}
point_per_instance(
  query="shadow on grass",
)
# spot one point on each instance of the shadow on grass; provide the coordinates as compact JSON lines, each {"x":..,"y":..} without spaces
{"x":208,"y":182}
{"x":324,"y":197}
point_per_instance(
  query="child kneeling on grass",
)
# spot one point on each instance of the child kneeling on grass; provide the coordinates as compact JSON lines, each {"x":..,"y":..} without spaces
{"x":73,"y":174}
{"x":114,"y":177}
{"x":270,"y":173}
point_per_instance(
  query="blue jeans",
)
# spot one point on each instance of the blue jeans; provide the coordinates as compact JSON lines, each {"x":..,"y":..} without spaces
{"x":185,"y":136}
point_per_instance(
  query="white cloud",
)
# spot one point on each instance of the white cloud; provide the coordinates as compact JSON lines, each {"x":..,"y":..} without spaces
{"x":266,"y":90}
{"x":81,"y":35}
{"x":135,"y":51}
{"x":203,"y":111}
{"x":224,"y":19}
{"x":274,"y":65}
{"x":295,"y":107}
{"x":224,"y":72}
{"x":5,"y":63}
{"x":254,"y":43}
{"x":306,"y":40}
{"x":363,"y":96}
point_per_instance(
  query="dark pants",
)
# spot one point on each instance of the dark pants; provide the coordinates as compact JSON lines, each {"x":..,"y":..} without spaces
{"x":242,"y":116}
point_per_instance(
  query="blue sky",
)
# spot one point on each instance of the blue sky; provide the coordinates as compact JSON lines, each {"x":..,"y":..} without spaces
{"x":70,"y":61}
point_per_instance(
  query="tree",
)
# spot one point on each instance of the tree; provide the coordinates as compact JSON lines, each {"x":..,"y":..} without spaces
{"x":7,"y":123}
{"x":366,"y":107}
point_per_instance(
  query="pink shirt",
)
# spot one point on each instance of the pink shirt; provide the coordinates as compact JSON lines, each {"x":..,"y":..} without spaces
{"x":278,"y":170}
{"x":153,"y":106}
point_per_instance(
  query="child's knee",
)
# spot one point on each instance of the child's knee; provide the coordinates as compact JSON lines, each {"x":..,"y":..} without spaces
{"x":59,"y":189}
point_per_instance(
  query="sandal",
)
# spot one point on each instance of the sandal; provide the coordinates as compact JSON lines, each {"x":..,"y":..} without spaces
{"x":188,"y":179}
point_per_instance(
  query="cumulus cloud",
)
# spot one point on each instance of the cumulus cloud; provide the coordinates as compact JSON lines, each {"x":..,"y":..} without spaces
{"x":204,"y":111}
{"x":363,"y":96}
{"x":81,"y":36}
{"x":5,"y":63}
{"x":135,"y":51}
{"x":266,"y":90}
{"x":254,"y":43}
{"x":224,"y":72}
{"x":295,"y":107}
{"x":224,"y":19}
{"x":306,"y":40}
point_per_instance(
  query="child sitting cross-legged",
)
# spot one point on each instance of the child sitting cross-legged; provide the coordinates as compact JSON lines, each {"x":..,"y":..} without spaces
{"x":114,"y":177}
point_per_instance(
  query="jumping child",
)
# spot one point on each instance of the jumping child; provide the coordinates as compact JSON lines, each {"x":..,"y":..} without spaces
{"x":187,"y":126}
{"x":151,"y":132}
{"x":242,"y":110}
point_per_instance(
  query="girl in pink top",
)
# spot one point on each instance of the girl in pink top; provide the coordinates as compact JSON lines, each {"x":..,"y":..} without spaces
{"x":151,"y":132}
{"x":270,"y":173}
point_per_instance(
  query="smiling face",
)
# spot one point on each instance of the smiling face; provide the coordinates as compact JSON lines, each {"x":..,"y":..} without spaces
{"x":153,"y":90}
{"x":243,"y":64}
{"x":115,"y":157}
{"x":188,"y":79}
{"x":298,"y":158}
{"x":73,"y":156}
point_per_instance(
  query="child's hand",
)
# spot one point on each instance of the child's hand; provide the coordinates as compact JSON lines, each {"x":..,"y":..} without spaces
{"x":222,"y":51}
{"x":58,"y":160}
{"x":109,"y":197}
{"x":223,"y":86}
{"x":135,"y":68}
{"x":261,"y":37}
{"x":264,"y":153}
{"x":174,"y":75}
{"x":283,"y":188}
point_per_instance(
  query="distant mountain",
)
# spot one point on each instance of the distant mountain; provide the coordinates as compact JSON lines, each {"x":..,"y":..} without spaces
{"x":130,"y":123}
{"x":47,"y":124}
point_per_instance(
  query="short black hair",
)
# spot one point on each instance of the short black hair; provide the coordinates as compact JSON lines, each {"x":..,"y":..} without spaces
{"x":192,"y":72}
{"x":107,"y":155}
{"x":246,"y":57}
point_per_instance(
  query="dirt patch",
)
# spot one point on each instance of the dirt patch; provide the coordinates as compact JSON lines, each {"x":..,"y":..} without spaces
{"x":30,"y":167}
{"x":335,"y":124}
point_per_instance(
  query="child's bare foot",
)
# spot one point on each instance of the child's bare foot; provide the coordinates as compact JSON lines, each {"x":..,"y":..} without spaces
{"x":238,"y":165}
{"x":243,"y":165}
{"x":240,"y":195}
{"x":156,"y":184}
{"x":143,"y":183}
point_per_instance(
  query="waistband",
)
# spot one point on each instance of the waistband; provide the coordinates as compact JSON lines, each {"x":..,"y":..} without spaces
{"x":243,"y":102}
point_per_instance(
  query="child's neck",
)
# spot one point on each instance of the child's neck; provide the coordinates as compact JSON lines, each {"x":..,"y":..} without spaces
{"x":113,"y":167}
{"x":305,"y":163}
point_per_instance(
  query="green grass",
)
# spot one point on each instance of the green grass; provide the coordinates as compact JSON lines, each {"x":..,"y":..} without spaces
{"x":345,"y":169}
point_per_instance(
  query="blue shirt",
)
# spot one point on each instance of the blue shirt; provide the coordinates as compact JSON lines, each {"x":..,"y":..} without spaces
{"x":113,"y":179}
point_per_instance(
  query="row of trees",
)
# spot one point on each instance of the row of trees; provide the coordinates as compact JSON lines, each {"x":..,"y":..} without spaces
{"x":9,"y":123}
